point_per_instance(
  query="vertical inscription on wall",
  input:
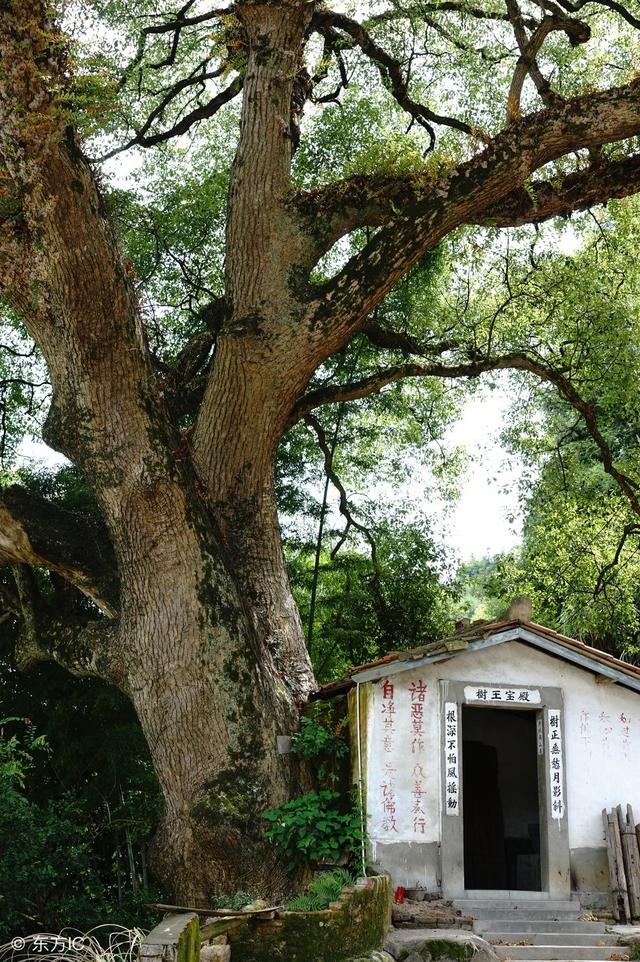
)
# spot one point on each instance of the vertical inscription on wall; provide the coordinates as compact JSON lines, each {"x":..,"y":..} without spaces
{"x":452,"y":759}
{"x":398,"y":770}
{"x":418,"y":693}
{"x":556,"y":764}
{"x":388,"y":785}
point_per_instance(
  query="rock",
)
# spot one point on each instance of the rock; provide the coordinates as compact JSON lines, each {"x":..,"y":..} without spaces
{"x":377,"y":956}
{"x":215,"y":953}
{"x":256,"y":906}
{"x":437,"y":945}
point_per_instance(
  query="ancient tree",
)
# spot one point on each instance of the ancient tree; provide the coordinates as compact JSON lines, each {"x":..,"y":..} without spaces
{"x":190,"y":612}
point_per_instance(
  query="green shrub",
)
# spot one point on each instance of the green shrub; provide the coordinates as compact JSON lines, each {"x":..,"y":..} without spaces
{"x":235,"y":902}
{"x":46,"y":862}
{"x":317,"y":742}
{"x":314,"y":829}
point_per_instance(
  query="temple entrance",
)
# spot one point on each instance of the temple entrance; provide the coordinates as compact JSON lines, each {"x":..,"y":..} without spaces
{"x":500,"y":799}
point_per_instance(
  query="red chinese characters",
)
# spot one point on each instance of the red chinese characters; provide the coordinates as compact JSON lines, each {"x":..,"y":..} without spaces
{"x":418,"y":813}
{"x":418,"y":692}
{"x":388,"y":799}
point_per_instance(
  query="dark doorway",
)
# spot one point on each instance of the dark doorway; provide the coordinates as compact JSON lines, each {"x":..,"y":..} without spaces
{"x":500,"y":799}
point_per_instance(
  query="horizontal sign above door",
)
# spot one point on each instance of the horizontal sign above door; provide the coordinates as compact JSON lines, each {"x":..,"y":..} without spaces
{"x":501,"y":695}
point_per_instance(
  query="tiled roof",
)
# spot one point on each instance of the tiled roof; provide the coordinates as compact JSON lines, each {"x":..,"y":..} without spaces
{"x":476,"y":631}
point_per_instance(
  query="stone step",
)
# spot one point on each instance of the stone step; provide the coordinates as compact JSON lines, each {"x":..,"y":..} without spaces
{"x":513,"y":895}
{"x":542,"y":953}
{"x":479,"y":906}
{"x":524,"y":926}
{"x":532,"y":915}
{"x":552,"y":938}
{"x":517,"y":905}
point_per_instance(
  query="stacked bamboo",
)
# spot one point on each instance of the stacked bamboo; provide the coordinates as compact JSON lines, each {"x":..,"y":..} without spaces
{"x":623,"y":851}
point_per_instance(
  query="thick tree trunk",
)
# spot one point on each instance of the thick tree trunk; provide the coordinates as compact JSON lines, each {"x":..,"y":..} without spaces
{"x":206,"y":642}
{"x":211,"y":702}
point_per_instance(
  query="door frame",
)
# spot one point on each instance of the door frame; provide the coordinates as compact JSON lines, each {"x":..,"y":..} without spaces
{"x":548,"y":703}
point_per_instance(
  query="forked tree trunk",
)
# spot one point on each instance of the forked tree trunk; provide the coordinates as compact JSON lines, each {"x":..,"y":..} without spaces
{"x":207,"y":642}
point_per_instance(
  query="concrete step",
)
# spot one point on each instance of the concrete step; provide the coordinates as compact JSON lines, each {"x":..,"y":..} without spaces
{"x":532,"y":915}
{"x":542,"y":953}
{"x":524,"y":926}
{"x":509,"y":894}
{"x":552,"y":938}
{"x":514,"y":904}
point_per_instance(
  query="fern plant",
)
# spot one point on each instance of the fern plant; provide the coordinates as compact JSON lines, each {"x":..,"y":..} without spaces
{"x":321,"y":892}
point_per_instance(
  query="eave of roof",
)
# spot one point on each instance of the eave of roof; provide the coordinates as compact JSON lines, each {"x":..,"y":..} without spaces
{"x":575,"y":651}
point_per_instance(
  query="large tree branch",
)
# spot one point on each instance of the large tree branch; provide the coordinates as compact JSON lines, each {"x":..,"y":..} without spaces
{"x":36,"y":532}
{"x":462,"y":196}
{"x":83,"y":647}
{"x":542,"y":200}
{"x":513,"y":361}
{"x":81,"y":644}
{"x":364,"y":202}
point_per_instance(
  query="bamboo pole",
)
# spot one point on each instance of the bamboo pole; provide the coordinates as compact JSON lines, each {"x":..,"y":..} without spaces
{"x":631,"y":856}
{"x":618,"y":879}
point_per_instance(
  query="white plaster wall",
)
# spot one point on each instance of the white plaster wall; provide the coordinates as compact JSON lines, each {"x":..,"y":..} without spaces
{"x":601,"y":750}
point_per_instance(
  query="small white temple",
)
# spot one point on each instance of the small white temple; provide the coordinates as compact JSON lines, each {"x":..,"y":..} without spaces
{"x":484,"y":760}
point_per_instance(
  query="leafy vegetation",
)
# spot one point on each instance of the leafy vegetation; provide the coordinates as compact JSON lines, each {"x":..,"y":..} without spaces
{"x":322,"y":743}
{"x":77,"y":810}
{"x":314,"y":829}
{"x":321,"y":892}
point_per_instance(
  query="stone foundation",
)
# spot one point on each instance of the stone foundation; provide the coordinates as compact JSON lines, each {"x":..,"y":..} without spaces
{"x":351,"y":928}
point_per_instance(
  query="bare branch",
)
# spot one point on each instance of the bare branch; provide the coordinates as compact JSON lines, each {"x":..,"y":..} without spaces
{"x":373,"y":384}
{"x":345,"y":510}
{"x":392,"y":340}
{"x":391,"y":72}
{"x":601,"y":583}
{"x":449,"y":6}
{"x":514,"y":361}
{"x":614,"y":5}
{"x":198,"y":114}
{"x":577,"y":32}
{"x":180,"y":22}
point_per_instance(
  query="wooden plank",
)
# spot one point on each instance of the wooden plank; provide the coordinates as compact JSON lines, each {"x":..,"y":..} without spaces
{"x":621,"y":881}
{"x":631,"y":855}
{"x":612,"y":866}
{"x":223,"y":913}
{"x":220,"y":927}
